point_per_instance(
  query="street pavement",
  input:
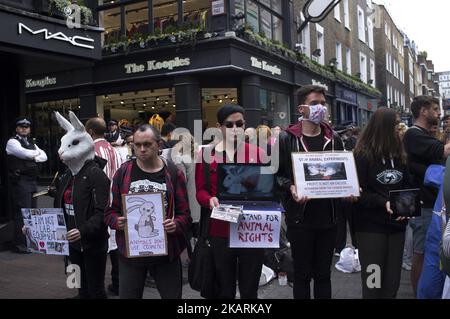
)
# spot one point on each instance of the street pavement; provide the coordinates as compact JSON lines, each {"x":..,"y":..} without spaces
{"x":36,"y":276}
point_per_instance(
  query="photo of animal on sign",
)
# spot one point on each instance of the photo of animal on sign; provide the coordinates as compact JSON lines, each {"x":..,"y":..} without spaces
{"x":144,"y":233}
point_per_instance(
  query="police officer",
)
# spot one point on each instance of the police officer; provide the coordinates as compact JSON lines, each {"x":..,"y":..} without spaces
{"x":23,"y":156}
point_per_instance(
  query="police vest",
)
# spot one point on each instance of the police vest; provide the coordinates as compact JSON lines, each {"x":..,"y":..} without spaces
{"x":18,"y":167}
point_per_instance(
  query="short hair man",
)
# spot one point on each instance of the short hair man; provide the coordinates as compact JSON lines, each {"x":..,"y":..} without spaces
{"x":23,"y":156}
{"x":311,"y":223}
{"x":150,"y":173}
{"x":423,"y":150}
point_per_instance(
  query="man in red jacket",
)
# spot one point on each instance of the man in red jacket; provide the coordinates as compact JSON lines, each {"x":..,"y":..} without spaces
{"x":232,"y":149}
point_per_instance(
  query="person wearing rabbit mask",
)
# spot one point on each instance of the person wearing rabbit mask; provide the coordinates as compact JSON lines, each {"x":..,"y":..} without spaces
{"x":23,"y":156}
{"x":149,"y":173}
{"x":82,"y":191}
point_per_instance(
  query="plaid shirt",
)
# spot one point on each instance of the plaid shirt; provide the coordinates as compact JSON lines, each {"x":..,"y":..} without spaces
{"x":178,"y":205}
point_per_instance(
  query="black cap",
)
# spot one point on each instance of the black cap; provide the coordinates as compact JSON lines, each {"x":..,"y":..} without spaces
{"x":112,"y":122}
{"x":227,"y":110}
{"x":23,"y":121}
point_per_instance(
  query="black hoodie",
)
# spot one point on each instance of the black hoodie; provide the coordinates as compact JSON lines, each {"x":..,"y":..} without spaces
{"x":316,"y":213}
{"x":376,"y":180}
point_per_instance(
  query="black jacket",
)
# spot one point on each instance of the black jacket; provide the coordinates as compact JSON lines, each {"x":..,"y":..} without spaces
{"x":423,"y":150}
{"x":90,"y":197}
{"x":376,"y":180}
{"x":291,"y":141}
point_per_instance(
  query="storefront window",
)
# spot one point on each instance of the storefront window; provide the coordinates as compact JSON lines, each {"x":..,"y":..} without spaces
{"x":213,"y":99}
{"x":252,"y":16}
{"x":137,"y":107}
{"x":274,"y":108}
{"x":276,"y":6}
{"x":136,"y":19}
{"x":262,"y":16}
{"x":47,"y":131}
{"x":277,"y":29}
{"x":195,"y":14}
{"x":266,"y":23}
{"x":165,"y":16}
{"x":111,"y":23}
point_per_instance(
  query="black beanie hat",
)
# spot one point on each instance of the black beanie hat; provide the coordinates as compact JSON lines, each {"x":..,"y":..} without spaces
{"x":227,"y":110}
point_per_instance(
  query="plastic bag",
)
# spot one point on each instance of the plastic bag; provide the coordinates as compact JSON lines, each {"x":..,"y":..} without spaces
{"x":267,"y":275}
{"x":348,"y":261}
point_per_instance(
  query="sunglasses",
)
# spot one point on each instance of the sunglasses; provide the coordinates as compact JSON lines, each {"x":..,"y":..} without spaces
{"x":230,"y":124}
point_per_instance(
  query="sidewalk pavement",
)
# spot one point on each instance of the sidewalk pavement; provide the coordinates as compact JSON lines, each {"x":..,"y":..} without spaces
{"x":35,"y":276}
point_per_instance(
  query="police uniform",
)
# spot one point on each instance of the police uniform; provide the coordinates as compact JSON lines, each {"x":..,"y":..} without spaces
{"x":22,"y":156}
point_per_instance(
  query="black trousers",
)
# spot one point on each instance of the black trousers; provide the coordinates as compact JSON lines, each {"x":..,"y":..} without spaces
{"x":386,"y":252}
{"x":312,"y":252}
{"x":345,"y":215}
{"x":114,"y":257}
{"x":133,"y":272}
{"x":22,"y":197}
{"x":93,"y":266}
{"x":244,"y":264}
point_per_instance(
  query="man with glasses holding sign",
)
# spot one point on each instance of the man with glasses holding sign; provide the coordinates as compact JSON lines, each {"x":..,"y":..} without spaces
{"x":311,"y":223}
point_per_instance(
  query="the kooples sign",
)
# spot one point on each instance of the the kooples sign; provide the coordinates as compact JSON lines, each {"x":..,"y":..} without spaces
{"x":76,"y":40}
{"x":263,"y":65}
{"x":30,"y":83}
{"x":154,"y":65}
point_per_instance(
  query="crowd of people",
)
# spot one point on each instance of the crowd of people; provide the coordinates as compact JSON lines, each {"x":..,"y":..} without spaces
{"x":104,"y":162}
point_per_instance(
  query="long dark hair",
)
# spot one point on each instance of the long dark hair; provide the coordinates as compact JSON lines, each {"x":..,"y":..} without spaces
{"x":380,"y":139}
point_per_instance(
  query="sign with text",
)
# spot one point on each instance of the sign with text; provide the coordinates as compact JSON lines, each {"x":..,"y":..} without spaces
{"x":325,"y":174}
{"x":265,"y":66}
{"x":256,"y":229}
{"x":144,"y":232}
{"x":153,"y":65}
{"x":218,"y":7}
{"x":45,"y":231}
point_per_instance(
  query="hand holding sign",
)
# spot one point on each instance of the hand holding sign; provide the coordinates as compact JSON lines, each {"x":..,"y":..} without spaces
{"x":73,"y":235}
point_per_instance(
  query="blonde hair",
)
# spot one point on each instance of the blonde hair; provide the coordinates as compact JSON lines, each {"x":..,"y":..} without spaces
{"x":156,"y":121}
{"x":263,"y":131}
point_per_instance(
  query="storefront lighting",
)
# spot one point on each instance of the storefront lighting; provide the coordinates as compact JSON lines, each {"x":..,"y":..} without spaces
{"x":232,"y":100}
{"x":153,"y":107}
{"x":173,"y":105}
{"x":167,"y":102}
{"x":144,"y":104}
{"x":220,"y":101}
{"x":122,"y":102}
{"x":157,"y":98}
{"x":106,"y":96}
{"x":226,"y":96}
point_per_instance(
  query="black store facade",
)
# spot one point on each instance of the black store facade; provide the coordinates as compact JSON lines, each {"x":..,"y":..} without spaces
{"x":192,"y":83}
{"x":30,"y":42}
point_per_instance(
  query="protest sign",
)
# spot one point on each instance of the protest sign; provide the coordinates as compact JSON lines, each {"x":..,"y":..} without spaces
{"x":144,"y":232}
{"x":325,"y":174}
{"x":256,"y":229}
{"x":46,"y":231}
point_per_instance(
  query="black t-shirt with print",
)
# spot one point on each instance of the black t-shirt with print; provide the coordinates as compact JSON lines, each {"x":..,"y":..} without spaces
{"x":143,"y":182}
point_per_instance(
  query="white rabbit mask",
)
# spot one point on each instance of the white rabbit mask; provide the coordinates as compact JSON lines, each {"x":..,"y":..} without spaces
{"x":77,"y":146}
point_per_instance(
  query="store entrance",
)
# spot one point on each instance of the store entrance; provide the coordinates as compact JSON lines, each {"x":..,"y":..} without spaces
{"x":212,"y":100}
{"x":47,"y":132}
